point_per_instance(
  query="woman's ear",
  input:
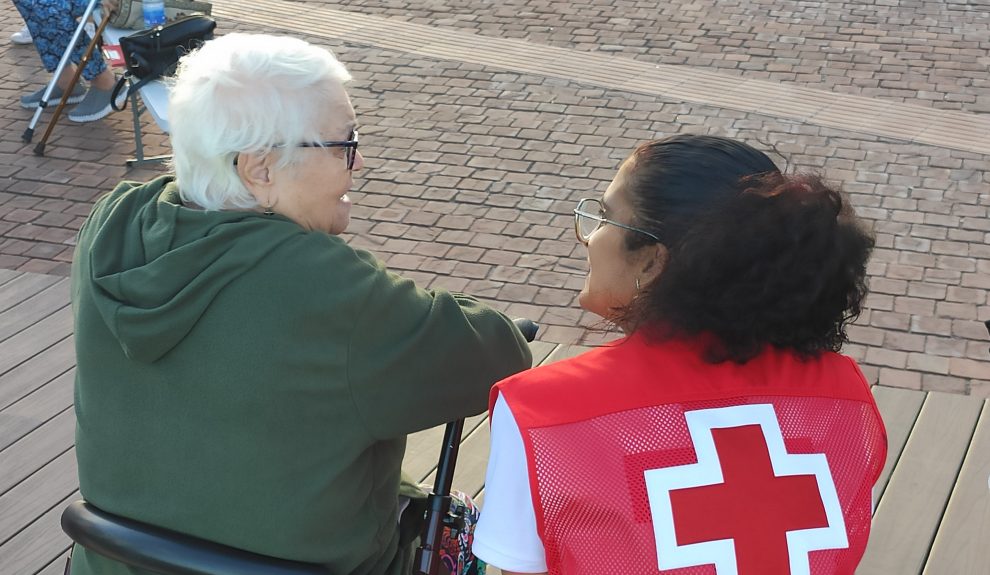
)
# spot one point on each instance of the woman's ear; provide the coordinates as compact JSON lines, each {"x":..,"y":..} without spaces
{"x":255,"y":172}
{"x":253,"y":169}
{"x":653,"y":262}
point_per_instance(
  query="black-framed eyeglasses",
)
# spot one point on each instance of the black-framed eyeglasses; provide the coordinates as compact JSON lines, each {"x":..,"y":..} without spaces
{"x":589,"y":215}
{"x":350,"y":146}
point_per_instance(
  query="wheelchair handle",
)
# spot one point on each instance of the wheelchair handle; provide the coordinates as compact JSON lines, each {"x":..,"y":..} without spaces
{"x":529,"y":328}
{"x":160,"y":550}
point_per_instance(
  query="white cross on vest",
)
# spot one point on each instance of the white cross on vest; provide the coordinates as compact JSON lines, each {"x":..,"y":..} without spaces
{"x":747,"y":506}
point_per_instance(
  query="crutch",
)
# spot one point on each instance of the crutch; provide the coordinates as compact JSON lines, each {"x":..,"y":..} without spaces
{"x":39,"y":150}
{"x":29,"y":132}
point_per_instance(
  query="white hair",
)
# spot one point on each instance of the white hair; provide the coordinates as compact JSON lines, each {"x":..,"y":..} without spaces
{"x":245,"y":93}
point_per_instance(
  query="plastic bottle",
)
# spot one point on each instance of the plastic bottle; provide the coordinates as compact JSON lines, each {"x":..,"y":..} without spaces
{"x":154,"y":12}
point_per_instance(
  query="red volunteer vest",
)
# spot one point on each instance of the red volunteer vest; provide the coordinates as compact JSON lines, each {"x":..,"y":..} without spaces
{"x":645,"y":459}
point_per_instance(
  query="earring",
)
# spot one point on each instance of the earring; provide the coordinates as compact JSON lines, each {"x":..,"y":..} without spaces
{"x":637,"y":284}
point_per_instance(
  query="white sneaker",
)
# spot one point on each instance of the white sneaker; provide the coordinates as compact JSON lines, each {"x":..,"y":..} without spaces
{"x":22,"y":36}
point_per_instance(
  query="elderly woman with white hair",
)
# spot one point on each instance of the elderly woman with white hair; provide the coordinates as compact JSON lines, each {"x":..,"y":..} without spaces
{"x":244,"y":376}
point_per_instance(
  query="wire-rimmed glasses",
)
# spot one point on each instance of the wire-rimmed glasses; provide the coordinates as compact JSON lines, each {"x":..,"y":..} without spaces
{"x":589,"y":216}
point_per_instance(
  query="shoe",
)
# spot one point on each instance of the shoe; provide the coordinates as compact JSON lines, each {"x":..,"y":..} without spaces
{"x":94,"y":106}
{"x":22,"y":36}
{"x":32,"y":100}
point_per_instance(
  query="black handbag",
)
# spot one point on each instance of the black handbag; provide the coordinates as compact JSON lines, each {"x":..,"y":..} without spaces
{"x":154,"y":53}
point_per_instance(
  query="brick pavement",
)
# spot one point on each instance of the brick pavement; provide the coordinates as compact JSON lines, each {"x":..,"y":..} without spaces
{"x":472,"y":171}
{"x":931,"y":52}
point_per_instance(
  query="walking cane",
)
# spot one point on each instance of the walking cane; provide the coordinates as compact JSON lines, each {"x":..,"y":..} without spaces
{"x":29,"y":132}
{"x":438,"y":513}
{"x":39,"y":150}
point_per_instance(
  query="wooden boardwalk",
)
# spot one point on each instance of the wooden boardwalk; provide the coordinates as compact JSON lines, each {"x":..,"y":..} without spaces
{"x":933,"y":514}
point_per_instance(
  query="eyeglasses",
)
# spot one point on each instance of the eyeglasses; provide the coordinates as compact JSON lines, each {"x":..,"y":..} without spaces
{"x":350,"y":146}
{"x":589,"y":215}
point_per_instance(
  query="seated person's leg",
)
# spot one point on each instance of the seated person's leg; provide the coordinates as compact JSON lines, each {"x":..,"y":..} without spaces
{"x":51,"y":24}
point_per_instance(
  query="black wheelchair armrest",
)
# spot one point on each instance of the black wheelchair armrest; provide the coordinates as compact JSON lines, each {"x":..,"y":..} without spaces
{"x":163,"y":551}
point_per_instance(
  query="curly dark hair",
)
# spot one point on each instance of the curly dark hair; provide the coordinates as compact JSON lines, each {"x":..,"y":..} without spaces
{"x":755,"y":257}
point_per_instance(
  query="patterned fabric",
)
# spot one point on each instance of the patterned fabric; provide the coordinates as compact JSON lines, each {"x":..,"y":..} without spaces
{"x":455,"y":545}
{"x":52,"y":23}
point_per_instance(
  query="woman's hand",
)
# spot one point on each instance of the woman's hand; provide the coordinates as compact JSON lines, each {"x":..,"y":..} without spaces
{"x":110,"y":6}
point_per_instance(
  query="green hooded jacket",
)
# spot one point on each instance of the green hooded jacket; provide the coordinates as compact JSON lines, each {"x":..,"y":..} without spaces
{"x":243,"y":380}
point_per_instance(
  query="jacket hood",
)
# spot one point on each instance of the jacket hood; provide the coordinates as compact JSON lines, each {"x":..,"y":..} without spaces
{"x":155,"y":266}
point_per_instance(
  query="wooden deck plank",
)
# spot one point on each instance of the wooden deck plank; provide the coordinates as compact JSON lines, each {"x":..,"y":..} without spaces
{"x":34,"y":496}
{"x":30,"y":412}
{"x":541,"y":350}
{"x":899,"y":409}
{"x":961,"y":543}
{"x":22,"y":288}
{"x":38,"y":544}
{"x":472,"y":461}
{"x":36,"y":371}
{"x":40,"y":336}
{"x":422,"y":451}
{"x":33,"y":452}
{"x":473,"y":474}
{"x":33,"y":309}
{"x":8,"y":275}
{"x":421,"y":460}
{"x":911,"y":508}
{"x":56,"y":567}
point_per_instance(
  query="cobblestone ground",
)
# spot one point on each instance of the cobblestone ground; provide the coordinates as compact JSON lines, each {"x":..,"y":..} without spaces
{"x":931,"y":52}
{"x":472,"y":172}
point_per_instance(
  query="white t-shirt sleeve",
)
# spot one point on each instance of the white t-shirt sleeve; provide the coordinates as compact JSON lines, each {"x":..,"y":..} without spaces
{"x":506,"y":535}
